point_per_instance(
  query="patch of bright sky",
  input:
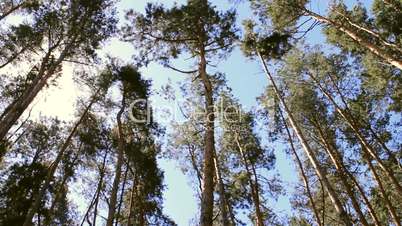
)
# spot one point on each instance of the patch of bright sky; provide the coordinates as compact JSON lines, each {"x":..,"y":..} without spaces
{"x":244,"y":76}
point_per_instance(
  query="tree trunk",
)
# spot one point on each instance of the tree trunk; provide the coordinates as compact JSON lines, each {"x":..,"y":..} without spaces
{"x":121,"y":196}
{"x":253,"y":184}
{"x":366,"y":124}
{"x":195,"y":167}
{"x":63,"y":183}
{"x":371,"y":47}
{"x":99,"y":187}
{"x":222,"y":194}
{"x":388,"y":203}
{"x":15,"y":110}
{"x":41,"y":193}
{"x":367,"y":147}
{"x":120,"y":158}
{"x":207,"y":195}
{"x":301,"y":168}
{"x":309,"y":152}
{"x":340,"y":167}
{"x":132,"y":196}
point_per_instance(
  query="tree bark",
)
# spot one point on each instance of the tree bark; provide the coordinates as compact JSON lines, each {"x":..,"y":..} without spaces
{"x":207,"y":195}
{"x":119,"y":163}
{"x":132,"y":196}
{"x":309,"y":152}
{"x":301,"y":168}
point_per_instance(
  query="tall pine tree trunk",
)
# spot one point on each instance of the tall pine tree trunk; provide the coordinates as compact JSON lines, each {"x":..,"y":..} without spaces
{"x":309,"y":152}
{"x":99,"y":187}
{"x":251,"y":174}
{"x":301,"y":168}
{"x":356,"y":121}
{"x":122,"y":195}
{"x":119,"y":163}
{"x":207,"y":196}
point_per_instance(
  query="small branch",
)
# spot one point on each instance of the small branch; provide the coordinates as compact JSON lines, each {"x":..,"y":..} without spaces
{"x":181,"y":71}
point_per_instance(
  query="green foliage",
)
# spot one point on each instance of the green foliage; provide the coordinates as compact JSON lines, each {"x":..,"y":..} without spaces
{"x":270,"y":46}
{"x":162,"y":34}
{"x":281,"y":14}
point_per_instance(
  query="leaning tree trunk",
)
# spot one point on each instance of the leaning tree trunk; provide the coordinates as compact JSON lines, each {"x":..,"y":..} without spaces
{"x":119,"y":163}
{"x":366,"y":124}
{"x":309,"y":152}
{"x":340,"y":167}
{"x":207,"y":195}
{"x":352,"y":124}
{"x":15,"y":110}
{"x":302,"y":172}
{"x":355,"y":36}
{"x":41,"y":193}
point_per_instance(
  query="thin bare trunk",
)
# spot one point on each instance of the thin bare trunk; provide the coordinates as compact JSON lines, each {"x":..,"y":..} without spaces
{"x":99,"y":187}
{"x":371,"y":32}
{"x":309,"y":152}
{"x":388,"y":203}
{"x":301,"y":168}
{"x":14,"y":56}
{"x":38,"y":197}
{"x":120,"y":158}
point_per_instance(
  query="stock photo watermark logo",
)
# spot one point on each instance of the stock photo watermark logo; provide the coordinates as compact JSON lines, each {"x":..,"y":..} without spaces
{"x":176,"y":112}
{"x":182,"y":111}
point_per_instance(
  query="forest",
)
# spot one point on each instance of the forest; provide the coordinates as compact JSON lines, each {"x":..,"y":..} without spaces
{"x":200,"y":112}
